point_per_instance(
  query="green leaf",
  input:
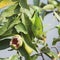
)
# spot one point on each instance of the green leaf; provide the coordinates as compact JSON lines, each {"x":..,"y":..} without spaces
{"x":24,"y":53}
{"x":55,"y":40}
{"x":4,"y":28}
{"x":54,"y":2}
{"x":58,"y":7}
{"x":14,"y":22}
{"x":27,"y":12}
{"x":27,"y":23}
{"x":48,"y":7}
{"x":14,"y":57}
{"x":37,"y":26}
{"x":8,"y":33}
{"x":9,"y":11}
{"x":46,"y":50}
{"x":3,"y":58}
{"x":23,"y":4}
{"x":3,"y":20}
{"x":28,"y":41}
{"x":21,"y":28}
{"x":34,"y":57}
{"x":36,"y":2}
{"x":4,"y":44}
{"x":8,"y":30}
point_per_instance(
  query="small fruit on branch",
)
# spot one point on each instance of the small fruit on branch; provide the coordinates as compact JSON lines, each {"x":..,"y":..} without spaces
{"x":16,"y":42}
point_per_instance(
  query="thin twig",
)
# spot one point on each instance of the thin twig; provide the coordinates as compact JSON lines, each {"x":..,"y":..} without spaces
{"x":42,"y":56}
{"x":19,"y":55}
{"x":18,"y":52}
{"x":56,"y":49}
{"x":20,"y":58}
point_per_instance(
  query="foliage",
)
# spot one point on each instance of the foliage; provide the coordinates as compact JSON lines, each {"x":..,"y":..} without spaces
{"x":20,"y":18}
